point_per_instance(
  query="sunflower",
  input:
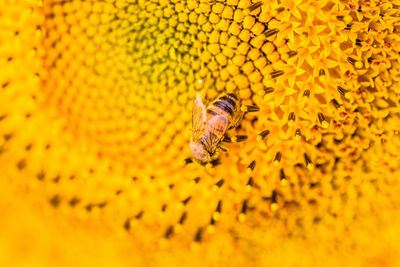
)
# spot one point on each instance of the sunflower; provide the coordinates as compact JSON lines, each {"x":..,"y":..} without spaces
{"x":95,"y":124}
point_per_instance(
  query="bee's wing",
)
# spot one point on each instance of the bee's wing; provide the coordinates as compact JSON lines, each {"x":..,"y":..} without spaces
{"x":198,"y":118}
{"x":216,"y":128}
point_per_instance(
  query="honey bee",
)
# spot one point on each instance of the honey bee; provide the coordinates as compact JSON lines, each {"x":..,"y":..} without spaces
{"x":210,"y":124}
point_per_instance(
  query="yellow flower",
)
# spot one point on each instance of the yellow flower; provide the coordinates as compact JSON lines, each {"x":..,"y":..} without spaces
{"x":95,"y":121}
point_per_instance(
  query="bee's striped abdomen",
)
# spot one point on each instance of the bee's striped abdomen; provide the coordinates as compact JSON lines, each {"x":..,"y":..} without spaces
{"x":225,"y":106}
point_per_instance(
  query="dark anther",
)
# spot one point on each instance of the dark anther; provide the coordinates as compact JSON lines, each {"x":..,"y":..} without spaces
{"x":183,"y":218}
{"x":169,"y":231}
{"x":186,"y":200}
{"x":220,"y":183}
{"x":255,"y":6}
{"x":55,"y":200}
{"x":199,"y":235}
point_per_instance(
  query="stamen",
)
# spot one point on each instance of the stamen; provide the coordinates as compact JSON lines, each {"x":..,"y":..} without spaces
{"x":139,"y":215}
{"x":309,"y":164}
{"x":253,"y":108}
{"x":242,"y":214}
{"x":255,"y":6}
{"x":297,"y":135}
{"x":239,"y":138}
{"x":322,"y":120}
{"x":164,"y":207}
{"x":227,"y":139}
{"x":348,"y":26}
{"x":199,"y":235}
{"x":262,"y":135}
{"x":185,"y":201}
{"x":169,"y":231}
{"x":271,"y":32}
{"x":276,"y":74}
{"x":277,"y":159}
{"x":291,"y":118}
{"x":335,"y":103}
{"x":274,"y":204}
{"x":183,"y":218}
{"x":269,"y":90}
{"x":343,"y":92}
{"x":249,"y":185}
{"x":250,"y":168}
{"x":218,"y":185}
{"x":217,"y":213}
{"x":292,"y":53}
{"x":283,"y":178}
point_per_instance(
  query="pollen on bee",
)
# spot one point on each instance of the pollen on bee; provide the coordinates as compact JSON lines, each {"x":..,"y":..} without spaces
{"x":277,"y":159}
{"x":309,"y":164}
{"x":262,"y":135}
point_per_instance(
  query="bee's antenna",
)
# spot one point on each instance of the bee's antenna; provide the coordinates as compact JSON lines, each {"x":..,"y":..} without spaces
{"x":223,"y":149}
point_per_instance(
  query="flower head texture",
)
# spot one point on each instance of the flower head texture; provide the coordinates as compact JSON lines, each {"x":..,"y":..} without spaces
{"x":96,"y":119}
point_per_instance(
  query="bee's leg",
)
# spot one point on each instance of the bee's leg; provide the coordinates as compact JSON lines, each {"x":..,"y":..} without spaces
{"x":226,"y":139}
{"x":222,"y":148}
{"x":236,"y":120}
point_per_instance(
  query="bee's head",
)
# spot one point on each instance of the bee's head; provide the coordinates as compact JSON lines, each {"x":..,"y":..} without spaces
{"x":200,"y":153}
